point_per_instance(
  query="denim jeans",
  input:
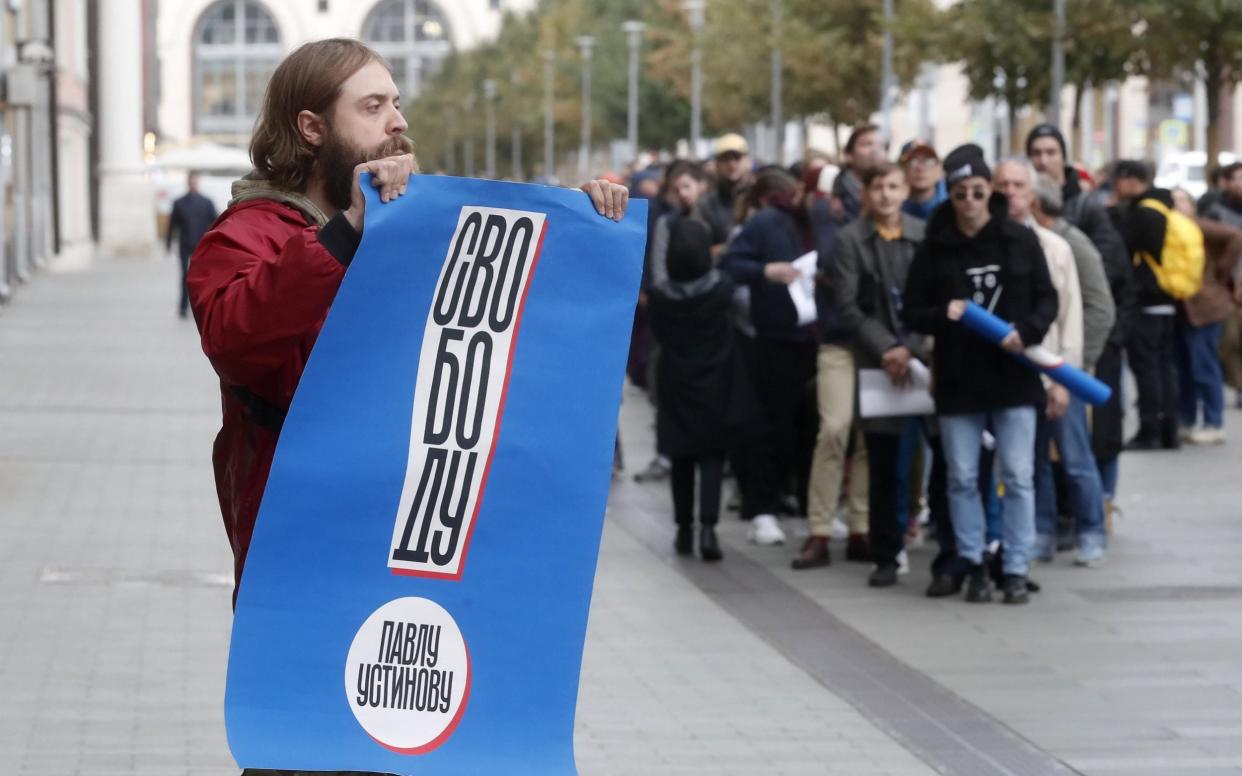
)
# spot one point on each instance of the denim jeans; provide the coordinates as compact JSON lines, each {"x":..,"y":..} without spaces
{"x":1110,"y":474}
{"x":1014,"y":429}
{"x":1085,"y":493}
{"x":1202,"y":381}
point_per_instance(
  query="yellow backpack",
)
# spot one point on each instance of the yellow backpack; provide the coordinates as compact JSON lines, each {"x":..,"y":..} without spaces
{"x":1179,"y":272}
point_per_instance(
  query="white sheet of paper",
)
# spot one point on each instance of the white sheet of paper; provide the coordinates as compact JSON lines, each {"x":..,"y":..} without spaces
{"x":879,"y":398}
{"x":802,"y":290}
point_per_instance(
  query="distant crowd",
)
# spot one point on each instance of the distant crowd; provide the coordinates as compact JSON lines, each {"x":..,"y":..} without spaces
{"x":772,"y":293}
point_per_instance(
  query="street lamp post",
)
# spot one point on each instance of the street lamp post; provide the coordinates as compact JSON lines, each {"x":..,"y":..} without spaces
{"x":694,"y":11}
{"x":634,"y":37}
{"x":886,"y":78}
{"x":778,"y":119}
{"x":1058,"y":63}
{"x":549,"y":149}
{"x":585,"y":44}
{"x":467,"y":142}
{"x":515,"y":138}
{"x":489,"y":150}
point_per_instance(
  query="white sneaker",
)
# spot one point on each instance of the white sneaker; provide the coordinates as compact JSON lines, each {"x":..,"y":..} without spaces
{"x":766,"y":530}
{"x":1208,"y":436}
{"x":840,"y":530}
{"x":903,"y":562}
{"x":1186,"y":433}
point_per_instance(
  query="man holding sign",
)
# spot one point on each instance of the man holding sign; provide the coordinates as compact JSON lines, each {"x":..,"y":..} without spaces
{"x":263,"y":279}
{"x":974,"y":252}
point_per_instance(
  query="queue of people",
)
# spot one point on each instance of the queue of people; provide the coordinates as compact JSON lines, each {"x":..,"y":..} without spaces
{"x":769,"y":290}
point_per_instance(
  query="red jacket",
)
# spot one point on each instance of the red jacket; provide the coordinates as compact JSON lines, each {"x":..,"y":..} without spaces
{"x":261,"y":282}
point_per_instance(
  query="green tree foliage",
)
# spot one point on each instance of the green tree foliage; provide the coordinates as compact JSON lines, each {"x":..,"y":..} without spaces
{"x":1005,"y":48}
{"x":831,"y":69}
{"x":1198,"y":37}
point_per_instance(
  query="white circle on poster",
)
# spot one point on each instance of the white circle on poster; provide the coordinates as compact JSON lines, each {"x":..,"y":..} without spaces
{"x":407,"y":676}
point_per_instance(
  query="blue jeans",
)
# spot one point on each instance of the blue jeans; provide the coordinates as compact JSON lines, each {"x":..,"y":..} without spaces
{"x":1201,"y":378}
{"x":1110,"y":472}
{"x":961,"y":435}
{"x":1085,"y":493}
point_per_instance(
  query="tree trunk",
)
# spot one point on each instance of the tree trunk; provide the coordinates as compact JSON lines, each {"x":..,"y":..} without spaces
{"x":1015,"y":135}
{"x":1076,"y":122}
{"x":1213,"y":83}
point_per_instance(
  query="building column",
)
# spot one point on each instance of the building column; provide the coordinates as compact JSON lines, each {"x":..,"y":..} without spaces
{"x":126,"y":198}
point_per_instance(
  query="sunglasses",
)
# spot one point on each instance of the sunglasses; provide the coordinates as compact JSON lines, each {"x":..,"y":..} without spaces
{"x":961,"y":194}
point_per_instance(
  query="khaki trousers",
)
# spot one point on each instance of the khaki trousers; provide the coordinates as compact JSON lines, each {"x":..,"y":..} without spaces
{"x":835,"y":386}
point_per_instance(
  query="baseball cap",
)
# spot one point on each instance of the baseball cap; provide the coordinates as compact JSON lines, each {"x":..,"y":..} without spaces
{"x":915,"y":148}
{"x":732,"y":143}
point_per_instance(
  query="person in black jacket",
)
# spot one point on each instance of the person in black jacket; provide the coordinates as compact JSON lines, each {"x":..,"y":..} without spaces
{"x":192,"y":215}
{"x":783,"y":364}
{"x":972,"y":251}
{"x":705,"y":401}
{"x":1150,"y":346}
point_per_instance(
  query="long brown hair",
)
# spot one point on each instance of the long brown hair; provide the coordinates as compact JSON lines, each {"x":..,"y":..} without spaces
{"x":308,"y":79}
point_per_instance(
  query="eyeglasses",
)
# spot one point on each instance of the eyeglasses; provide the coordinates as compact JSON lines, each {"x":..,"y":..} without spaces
{"x":977,"y":194}
{"x":923,"y":161}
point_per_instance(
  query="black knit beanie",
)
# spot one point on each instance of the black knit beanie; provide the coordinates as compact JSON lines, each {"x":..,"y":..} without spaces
{"x":1046,"y":130}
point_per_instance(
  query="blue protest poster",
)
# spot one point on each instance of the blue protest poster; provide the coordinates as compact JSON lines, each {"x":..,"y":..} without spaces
{"x":416,"y":593}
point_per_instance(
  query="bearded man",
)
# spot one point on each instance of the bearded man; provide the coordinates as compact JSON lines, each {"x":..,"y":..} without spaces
{"x":263,"y":278}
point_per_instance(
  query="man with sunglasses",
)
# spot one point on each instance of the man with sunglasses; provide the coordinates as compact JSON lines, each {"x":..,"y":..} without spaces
{"x":974,"y":252}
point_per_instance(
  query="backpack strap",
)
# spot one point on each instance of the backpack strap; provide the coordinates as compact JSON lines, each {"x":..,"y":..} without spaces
{"x":260,"y":411}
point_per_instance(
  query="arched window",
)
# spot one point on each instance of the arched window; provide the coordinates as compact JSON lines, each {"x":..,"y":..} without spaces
{"x":412,"y":35}
{"x":236,"y":48}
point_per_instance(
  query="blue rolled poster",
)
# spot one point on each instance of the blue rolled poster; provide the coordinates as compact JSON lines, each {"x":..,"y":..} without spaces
{"x":416,"y":593}
{"x":1078,"y":382}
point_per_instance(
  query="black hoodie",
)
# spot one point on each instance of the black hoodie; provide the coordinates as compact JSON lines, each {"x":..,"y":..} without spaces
{"x":1143,"y":230}
{"x":1001,"y":268}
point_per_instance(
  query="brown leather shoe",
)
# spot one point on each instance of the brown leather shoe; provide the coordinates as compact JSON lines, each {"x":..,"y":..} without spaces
{"x":858,"y":550}
{"x":814,"y":553}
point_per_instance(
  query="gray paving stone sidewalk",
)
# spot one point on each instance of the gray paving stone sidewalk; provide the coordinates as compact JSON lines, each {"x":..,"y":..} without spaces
{"x":114,"y":580}
{"x":1131,"y":669}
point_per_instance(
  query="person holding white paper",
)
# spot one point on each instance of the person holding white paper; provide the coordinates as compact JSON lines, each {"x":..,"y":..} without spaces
{"x":872,"y":257}
{"x":761,"y":258}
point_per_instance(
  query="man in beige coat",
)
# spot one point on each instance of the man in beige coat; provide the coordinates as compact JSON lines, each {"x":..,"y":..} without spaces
{"x":1065,"y":418}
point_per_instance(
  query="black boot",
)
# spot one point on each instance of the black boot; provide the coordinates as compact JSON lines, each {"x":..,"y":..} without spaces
{"x":885,"y":575}
{"x":709,"y":545}
{"x":684,"y":543}
{"x":978,"y":586}
{"x":1015,"y":589}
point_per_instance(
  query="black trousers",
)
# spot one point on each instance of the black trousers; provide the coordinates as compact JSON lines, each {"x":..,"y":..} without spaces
{"x":783,"y":376}
{"x":184,"y":305}
{"x":711,"y":474}
{"x":1106,"y":421}
{"x":886,"y":538}
{"x":1151,"y":352}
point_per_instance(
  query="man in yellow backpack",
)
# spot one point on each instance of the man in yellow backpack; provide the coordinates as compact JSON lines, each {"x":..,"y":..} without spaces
{"x":1166,"y":250}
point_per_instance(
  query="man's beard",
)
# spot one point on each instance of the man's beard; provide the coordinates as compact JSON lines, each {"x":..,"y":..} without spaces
{"x":338,"y":158}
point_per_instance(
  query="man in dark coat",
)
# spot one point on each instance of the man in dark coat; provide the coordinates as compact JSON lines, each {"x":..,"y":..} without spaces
{"x":972,"y":251}
{"x":870,"y":263}
{"x":191,"y":217}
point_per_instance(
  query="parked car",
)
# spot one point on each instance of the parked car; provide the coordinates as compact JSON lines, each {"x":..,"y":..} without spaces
{"x":1185,"y":170}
